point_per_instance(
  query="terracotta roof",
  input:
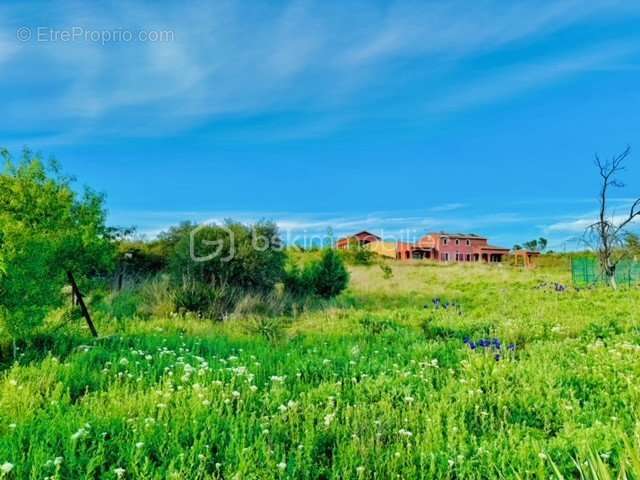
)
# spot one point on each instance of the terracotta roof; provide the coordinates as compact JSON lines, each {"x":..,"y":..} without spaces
{"x":364,"y":234}
{"x":458,"y":235}
{"x":493,"y":247}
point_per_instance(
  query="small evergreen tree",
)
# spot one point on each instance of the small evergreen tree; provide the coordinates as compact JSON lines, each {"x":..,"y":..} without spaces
{"x":330,"y":276}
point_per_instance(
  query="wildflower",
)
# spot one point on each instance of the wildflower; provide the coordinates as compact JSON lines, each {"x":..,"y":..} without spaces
{"x":206,"y":403}
{"x":124,"y":361}
{"x":542,"y":455}
{"x":408,"y":399}
{"x":235,"y":394}
{"x":58,"y":461}
{"x":79,"y":434}
{"x":328,"y":419}
{"x":6,"y":467}
{"x":360,"y":470}
{"x":253,"y":388}
{"x":451,"y":463}
{"x":405,"y":433}
{"x":139,"y":445}
{"x":119,"y":472}
{"x":282,"y":466}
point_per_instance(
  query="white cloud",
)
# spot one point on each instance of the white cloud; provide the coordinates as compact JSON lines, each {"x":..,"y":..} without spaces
{"x":229,"y":59}
{"x":520,"y":78}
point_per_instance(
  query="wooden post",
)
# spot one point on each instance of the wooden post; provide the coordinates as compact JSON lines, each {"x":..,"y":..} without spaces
{"x":83,"y":307}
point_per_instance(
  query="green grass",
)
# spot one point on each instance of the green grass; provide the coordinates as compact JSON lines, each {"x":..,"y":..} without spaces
{"x":375,"y":386}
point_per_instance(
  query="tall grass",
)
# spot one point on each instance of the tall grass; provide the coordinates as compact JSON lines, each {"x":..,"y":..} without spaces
{"x":373,"y":386}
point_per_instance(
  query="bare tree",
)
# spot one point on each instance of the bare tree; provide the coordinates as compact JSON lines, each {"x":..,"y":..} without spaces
{"x":606,"y":236}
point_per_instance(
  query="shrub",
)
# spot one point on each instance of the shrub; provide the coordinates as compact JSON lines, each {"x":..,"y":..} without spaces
{"x":357,"y":254}
{"x":157,"y":297}
{"x":271,"y":329}
{"x":299,"y":282}
{"x":46,"y":229}
{"x":387,"y":271}
{"x":326,"y":277}
{"x":247,"y":257}
{"x":207,"y":301}
{"x":330,"y":276}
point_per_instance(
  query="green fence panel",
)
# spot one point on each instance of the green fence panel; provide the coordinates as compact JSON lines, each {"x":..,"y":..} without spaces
{"x":586,"y":272}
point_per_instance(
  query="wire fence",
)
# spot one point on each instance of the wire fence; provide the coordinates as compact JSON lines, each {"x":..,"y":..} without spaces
{"x":585,"y":271}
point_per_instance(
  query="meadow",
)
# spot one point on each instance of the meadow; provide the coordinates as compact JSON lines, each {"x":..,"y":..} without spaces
{"x":518,"y":377}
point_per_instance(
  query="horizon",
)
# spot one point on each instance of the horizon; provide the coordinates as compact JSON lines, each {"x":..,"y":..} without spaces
{"x":409,"y":118}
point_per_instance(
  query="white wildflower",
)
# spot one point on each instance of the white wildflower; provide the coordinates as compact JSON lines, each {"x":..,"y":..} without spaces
{"x":6,"y":467}
{"x":282,"y":465}
{"x":328,"y":419}
{"x":79,"y":434}
{"x":119,"y":472}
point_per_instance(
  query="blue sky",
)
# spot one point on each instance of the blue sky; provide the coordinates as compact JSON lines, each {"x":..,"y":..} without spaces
{"x":404,"y":117}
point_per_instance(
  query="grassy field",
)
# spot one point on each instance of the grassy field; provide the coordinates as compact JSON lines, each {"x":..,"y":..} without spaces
{"x":377,"y":386}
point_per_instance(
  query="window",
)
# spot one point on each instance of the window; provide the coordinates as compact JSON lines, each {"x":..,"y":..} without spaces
{"x":445,"y":241}
{"x":457,"y":241}
{"x":468,"y":242}
{"x":445,"y":257}
{"x":468,"y":257}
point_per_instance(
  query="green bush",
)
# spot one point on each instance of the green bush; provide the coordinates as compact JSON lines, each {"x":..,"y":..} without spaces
{"x":326,"y":277}
{"x":357,"y":254}
{"x":330,"y":276}
{"x":46,"y":229}
{"x":247,"y":257}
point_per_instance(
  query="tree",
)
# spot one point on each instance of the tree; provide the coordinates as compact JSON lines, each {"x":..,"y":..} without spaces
{"x":325,"y":277}
{"x":248,"y":257}
{"x":542,"y":244}
{"x":330,"y":276}
{"x":46,"y":229}
{"x":632,"y":244}
{"x":606,"y":235}
{"x":536,"y":245}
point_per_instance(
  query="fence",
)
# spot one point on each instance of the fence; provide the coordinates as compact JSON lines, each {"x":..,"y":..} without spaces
{"x":586,"y":271}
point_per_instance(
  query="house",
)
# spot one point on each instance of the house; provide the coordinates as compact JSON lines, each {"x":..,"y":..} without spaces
{"x":443,"y":247}
{"x":461,"y":247}
{"x":361,"y":239}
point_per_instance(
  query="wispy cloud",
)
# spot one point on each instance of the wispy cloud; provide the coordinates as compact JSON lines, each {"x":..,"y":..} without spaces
{"x":517,"y":79}
{"x":228,"y":60}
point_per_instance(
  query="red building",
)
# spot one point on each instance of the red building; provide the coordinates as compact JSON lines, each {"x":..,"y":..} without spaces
{"x":361,"y":239}
{"x":459,"y":247}
{"x":443,"y":247}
